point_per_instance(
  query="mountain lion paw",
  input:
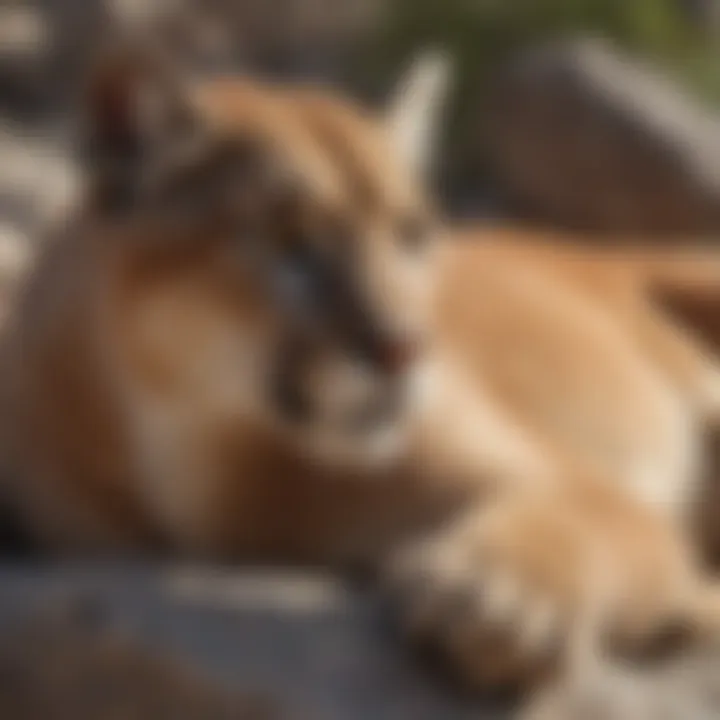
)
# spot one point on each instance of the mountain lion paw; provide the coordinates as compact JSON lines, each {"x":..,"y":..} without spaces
{"x":500,"y":594}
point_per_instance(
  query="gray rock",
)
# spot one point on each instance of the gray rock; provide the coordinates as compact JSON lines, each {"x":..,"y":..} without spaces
{"x":585,"y":137}
{"x":304,"y":644}
{"x":39,"y":182}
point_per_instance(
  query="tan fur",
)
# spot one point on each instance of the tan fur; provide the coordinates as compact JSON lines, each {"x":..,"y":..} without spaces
{"x":530,"y":501}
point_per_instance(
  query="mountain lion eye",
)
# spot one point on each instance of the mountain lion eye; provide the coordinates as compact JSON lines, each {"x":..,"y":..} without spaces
{"x":296,"y":275}
{"x":413,"y":234}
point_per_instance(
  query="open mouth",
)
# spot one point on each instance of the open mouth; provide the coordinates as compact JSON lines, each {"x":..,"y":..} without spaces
{"x":382,"y":410}
{"x":379,"y":407}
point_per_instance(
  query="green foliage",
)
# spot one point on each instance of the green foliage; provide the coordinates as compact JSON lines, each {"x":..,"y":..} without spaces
{"x":482,"y":33}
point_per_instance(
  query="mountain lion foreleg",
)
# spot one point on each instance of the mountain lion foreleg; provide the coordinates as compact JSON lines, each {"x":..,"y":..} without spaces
{"x":526,"y":585}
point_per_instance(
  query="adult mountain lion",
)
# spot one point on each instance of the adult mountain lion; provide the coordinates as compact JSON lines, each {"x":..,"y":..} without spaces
{"x":251,"y":343}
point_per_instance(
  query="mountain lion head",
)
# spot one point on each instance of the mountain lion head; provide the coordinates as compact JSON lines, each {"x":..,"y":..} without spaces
{"x":302,"y":214}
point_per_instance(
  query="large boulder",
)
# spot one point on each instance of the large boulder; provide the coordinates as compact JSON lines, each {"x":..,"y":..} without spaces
{"x":193,"y":644}
{"x":583,"y":136}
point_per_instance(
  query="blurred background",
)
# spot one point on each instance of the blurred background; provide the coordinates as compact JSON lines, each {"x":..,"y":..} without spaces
{"x":598,"y":116}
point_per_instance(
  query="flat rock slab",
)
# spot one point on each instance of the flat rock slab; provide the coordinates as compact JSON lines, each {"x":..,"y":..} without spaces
{"x":217,"y":644}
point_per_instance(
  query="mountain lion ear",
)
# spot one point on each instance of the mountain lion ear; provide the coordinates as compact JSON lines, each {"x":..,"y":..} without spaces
{"x":415,"y":111}
{"x":138,"y":110}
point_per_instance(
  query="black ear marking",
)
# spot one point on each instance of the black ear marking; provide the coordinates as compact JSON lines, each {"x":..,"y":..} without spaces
{"x":112,"y":145}
{"x":135,"y":108}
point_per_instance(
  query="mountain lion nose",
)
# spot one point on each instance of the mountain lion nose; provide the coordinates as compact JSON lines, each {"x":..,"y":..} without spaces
{"x":393,"y":355}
